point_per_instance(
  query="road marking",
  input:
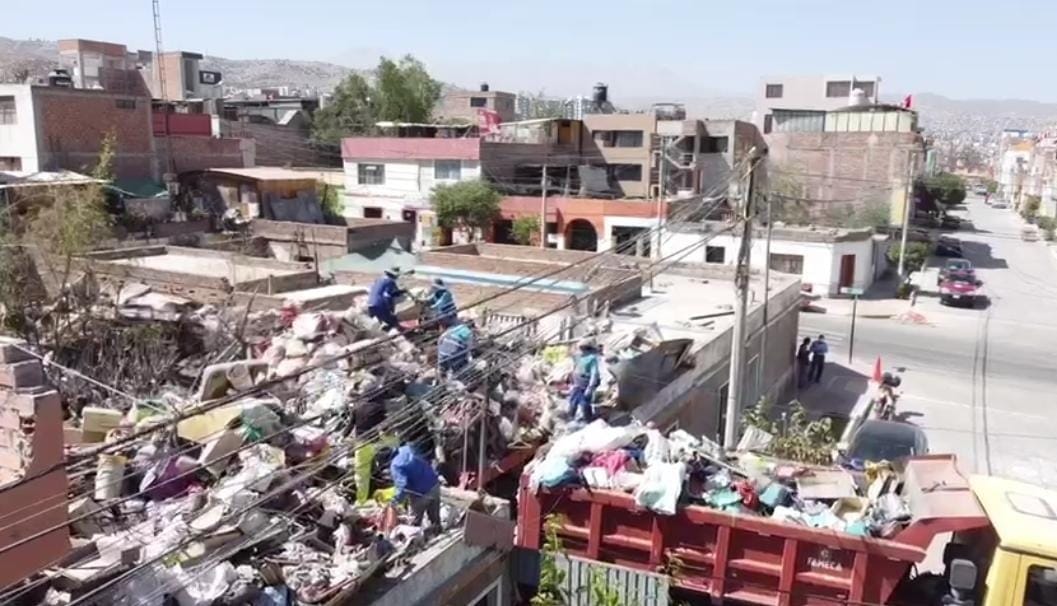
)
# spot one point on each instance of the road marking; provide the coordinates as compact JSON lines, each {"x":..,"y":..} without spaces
{"x":1026,"y":415}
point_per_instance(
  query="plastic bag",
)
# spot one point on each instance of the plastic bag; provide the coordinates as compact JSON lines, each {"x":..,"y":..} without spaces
{"x":661,"y":486}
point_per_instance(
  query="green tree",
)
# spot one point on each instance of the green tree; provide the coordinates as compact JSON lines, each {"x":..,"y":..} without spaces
{"x":1030,"y":209}
{"x":330,"y":199}
{"x":400,"y":91}
{"x":1048,"y":225}
{"x":917,"y":254}
{"x":795,"y":436}
{"x":945,"y":188}
{"x":550,"y":591}
{"x":469,"y":205}
{"x":992,"y":186}
{"x":526,"y":229}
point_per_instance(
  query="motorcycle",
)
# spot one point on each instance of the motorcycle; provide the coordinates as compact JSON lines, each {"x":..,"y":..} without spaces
{"x":885,"y":401}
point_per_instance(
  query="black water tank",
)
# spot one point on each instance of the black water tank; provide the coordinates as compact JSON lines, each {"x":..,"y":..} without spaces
{"x":484,"y":87}
{"x":601,"y":94}
{"x":60,"y":78}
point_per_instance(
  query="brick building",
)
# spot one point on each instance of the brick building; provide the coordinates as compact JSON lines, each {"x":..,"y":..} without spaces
{"x":463,"y":105}
{"x":53,"y":128}
{"x":32,"y":481}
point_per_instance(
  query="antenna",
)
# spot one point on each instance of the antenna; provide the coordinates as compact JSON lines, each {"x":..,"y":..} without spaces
{"x":159,"y":66}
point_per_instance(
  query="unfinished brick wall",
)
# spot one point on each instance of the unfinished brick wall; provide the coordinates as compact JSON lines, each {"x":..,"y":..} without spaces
{"x":192,"y":152}
{"x":31,"y":443}
{"x":71,"y":125}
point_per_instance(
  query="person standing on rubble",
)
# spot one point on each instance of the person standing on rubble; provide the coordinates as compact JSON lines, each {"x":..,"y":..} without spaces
{"x":417,"y":482}
{"x":442,"y":304}
{"x":381,"y":302}
{"x":819,"y":349}
{"x":454,"y":346}
{"x":586,"y":378}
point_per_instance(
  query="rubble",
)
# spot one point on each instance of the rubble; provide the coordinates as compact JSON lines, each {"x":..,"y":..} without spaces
{"x":663,"y":473}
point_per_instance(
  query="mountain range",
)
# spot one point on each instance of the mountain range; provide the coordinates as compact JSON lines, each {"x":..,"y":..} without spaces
{"x":938,"y":113}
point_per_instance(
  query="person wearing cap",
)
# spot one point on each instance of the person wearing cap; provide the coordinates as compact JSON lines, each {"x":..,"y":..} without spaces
{"x":442,"y":303}
{"x":585,"y":381}
{"x":454,"y":346}
{"x":381,"y":301}
{"x":416,"y":482}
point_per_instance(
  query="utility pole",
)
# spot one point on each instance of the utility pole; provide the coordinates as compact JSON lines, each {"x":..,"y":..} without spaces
{"x":741,"y":284}
{"x":907,"y":202}
{"x":159,"y":67}
{"x":662,"y":190}
{"x":543,"y":207}
{"x":766,"y":295}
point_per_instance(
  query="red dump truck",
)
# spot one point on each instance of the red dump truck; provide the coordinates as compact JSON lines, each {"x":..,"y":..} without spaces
{"x":742,"y":559}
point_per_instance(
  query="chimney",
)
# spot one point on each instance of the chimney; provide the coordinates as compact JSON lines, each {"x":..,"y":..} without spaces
{"x":484,"y":87}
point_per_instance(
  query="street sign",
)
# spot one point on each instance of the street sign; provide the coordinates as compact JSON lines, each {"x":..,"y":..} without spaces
{"x":848,"y":290}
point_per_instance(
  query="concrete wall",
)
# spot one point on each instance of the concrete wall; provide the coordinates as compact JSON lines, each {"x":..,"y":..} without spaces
{"x":455,"y":105}
{"x":19,"y":140}
{"x":31,"y":444}
{"x":72,"y":123}
{"x":279,"y":145}
{"x":821,"y":259}
{"x":694,"y":402}
{"x":202,"y":153}
{"x":596,"y":154}
{"x":805,"y":92}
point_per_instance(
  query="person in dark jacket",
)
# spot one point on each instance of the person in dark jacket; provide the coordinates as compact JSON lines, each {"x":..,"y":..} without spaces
{"x":442,"y":304}
{"x":819,"y":349}
{"x":416,"y":482}
{"x":381,"y":301}
{"x":803,"y":361}
{"x":586,"y":378}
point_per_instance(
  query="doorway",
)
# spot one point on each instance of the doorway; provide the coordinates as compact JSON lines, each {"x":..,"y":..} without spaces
{"x":582,"y":236}
{"x":847,"y":271}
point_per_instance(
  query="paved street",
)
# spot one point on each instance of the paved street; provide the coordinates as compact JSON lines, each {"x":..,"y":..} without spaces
{"x":980,"y":381}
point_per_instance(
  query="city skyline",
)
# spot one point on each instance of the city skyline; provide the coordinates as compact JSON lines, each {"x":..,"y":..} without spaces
{"x":640,"y":50}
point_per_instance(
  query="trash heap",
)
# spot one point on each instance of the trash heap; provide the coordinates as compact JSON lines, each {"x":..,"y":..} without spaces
{"x":279,"y":493}
{"x":664,"y":473}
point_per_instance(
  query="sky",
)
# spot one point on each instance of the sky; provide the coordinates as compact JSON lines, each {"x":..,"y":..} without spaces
{"x":641,"y":48}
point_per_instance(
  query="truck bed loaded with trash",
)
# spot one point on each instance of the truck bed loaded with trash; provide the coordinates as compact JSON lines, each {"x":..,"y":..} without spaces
{"x":751,"y":530}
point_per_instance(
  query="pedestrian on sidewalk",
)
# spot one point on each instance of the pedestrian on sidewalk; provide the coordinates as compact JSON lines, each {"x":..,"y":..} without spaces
{"x":803,"y":361}
{"x":819,"y":349}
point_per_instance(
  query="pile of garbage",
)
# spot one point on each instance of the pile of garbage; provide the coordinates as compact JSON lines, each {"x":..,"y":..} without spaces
{"x":664,"y":473}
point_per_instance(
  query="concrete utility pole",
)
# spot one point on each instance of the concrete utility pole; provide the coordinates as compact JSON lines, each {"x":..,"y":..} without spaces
{"x":741,"y":283}
{"x":766,"y":294}
{"x":159,"y":68}
{"x":907,"y":202}
{"x":662,"y":191}
{"x":543,"y":208}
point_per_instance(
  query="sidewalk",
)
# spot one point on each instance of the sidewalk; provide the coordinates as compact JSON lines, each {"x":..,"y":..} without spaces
{"x":878,"y":302}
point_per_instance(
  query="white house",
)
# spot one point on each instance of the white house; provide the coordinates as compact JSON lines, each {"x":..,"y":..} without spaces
{"x":826,"y":258}
{"x":392,"y":178}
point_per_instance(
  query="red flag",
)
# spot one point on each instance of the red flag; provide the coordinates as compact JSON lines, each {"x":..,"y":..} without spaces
{"x":877,"y":374}
{"x":487,"y":121}
{"x":908,"y":101}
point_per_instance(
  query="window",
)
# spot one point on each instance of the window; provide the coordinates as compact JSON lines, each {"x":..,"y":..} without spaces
{"x":372,"y":212}
{"x":370,"y":174}
{"x":7,"y":110}
{"x":773,"y":91}
{"x":627,"y":138}
{"x":788,"y":264}
{"x":714,"y":145}
{"x":625,"y":172}
{"x":838,"y":88}
{"x":10,"y":163}
{"x":768,"y":123}
{"x":866,"y":87}
{"x":715,"y":254}
{"x":1042,"y":586}
{"x":478,"y":101}
{"x":125,"y":103}
{"x":449,"y":170}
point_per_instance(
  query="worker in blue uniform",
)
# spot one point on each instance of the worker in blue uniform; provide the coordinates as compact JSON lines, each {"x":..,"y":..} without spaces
{"x":442,"y":304}
{"x":416,"y":482}
{"x":586,"y":378}
{"x":381,"y":301}
{"x":454,"y":347}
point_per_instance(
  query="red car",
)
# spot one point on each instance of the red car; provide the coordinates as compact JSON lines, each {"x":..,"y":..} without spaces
{"x":959,"y":292}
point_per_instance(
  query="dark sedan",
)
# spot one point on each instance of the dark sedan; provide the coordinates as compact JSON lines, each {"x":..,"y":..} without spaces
{"x":886,"y":441}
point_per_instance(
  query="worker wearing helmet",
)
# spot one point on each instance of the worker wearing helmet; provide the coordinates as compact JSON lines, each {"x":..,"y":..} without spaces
{"x":585,"y":381}
{"x":454,"y":347}
{"x":381,"y":301}
{"x":442,"y":304}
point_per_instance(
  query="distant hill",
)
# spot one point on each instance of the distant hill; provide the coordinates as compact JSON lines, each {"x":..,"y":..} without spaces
{"x":40,"y":56}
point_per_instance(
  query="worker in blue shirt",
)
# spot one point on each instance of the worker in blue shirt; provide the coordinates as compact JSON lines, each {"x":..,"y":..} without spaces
{"x":454,"y":346}
{"x":819,"y":349}
{"x":381,"y":301}
{"x":442,"y":304}
{"x":417,"y":482}
{"x":586,"y":378}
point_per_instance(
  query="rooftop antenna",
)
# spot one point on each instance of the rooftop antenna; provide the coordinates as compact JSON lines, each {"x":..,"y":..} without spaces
{"x":159,"y":66}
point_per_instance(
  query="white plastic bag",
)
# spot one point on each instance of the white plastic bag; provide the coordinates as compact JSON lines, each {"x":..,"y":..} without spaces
{"x":660,"y":488}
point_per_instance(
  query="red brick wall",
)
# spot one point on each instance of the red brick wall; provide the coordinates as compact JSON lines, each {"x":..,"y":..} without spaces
{"x":31,"y":442}
{"x":71,"y":125}
{"x":199,"y":153}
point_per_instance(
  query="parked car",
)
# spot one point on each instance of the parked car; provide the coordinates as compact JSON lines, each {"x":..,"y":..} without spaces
{"x":877,"y":440}
{"x":948,"y":247}
{"x":960,"y":269}
{"x":950,"y":222}
{"x":980,"y":191}
{"x":959,"y":292}
{"x":1001,"y":204}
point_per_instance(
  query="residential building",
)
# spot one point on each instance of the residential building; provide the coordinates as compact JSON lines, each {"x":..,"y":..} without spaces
{"x":1041,"y":175}
{"x":109,"y":66}
{"x":811,"y":93}
{"x":464,"y":105}
{"x":1014,"y":159}
{"x":822,"y":258}
{"x":48,"y":128}
{"x":845,"y":159}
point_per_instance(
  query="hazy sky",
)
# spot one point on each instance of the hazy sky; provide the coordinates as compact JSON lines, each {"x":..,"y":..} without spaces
{"x":962,"y":49}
